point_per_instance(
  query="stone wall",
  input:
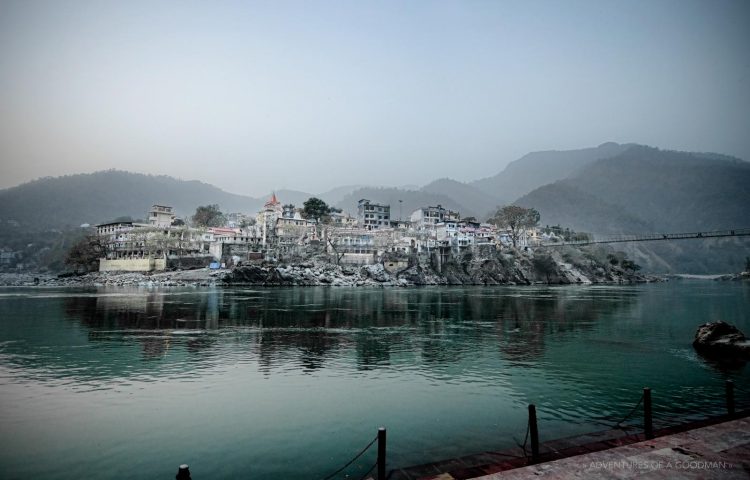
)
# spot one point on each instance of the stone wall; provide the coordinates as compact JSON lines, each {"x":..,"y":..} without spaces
{"x":189,"y":262}
{"x":357,"y":259}
{"x":132,"y":265}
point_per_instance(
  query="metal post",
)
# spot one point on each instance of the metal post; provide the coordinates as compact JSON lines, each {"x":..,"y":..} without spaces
{"x":534,"y":433}
{"x":381,"y":453}
{"x":183,"y":473}
{"x":730,"y":397}
{"x":648,"y":425}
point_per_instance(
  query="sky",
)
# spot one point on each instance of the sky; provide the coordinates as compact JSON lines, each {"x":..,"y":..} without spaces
{"x":310,"y":95}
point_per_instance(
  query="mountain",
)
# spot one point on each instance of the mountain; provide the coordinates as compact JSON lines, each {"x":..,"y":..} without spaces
{"x":71,"y":200}
{"x":644,"y":190}
{"x":335,"y":195}
{"x":477,"y":203}
{"x":567,"y":205}
{"x":675,"y":191}
{"x":540,"y":168}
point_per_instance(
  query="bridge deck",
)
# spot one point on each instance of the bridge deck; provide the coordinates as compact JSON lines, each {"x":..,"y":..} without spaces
{"x":650,"y":237}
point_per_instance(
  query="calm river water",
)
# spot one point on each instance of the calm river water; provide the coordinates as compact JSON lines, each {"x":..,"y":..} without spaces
{"x":290,"y":383}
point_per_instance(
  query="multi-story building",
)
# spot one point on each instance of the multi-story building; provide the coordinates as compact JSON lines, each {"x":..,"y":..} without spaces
{"x":428,"y":217}
{"x":291,"y":231}
{"x":351,"y":245}
{"x":160,"y":216}
{"x":373,"y":216}
{"x":341,"y":219}
{"x":288,"y":211}
{"x":130,"y":246}
{"x":266,"y":219}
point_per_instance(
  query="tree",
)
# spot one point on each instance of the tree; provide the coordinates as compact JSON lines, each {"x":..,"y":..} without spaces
{"x":545,"y":265}
{"x":85,"y":254}
{"x":630,"y":266}
{"x":516,"y":219}
{"x":208,"y":216}
{"x":315,"y":208}
{"x":334,"y":242}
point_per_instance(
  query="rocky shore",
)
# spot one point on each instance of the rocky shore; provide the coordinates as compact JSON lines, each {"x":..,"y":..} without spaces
{"x":735,"y":276}
{"x":199,"y":278}
{"x":481,"y":272}
{"x":500,"y":269}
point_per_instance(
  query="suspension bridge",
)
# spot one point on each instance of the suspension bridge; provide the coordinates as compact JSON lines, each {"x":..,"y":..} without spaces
{"x":650,"y":237}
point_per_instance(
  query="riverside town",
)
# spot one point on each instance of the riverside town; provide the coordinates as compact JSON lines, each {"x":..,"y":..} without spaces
{"x":375,"y":240}
{"x":315,"y":244}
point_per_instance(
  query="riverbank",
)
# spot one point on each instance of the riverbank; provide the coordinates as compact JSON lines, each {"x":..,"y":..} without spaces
{"x":718,"y":439}
{"x":483,"y":272}
{"x":720,"y":451}
{"x":183,"y":278}
{"x":514,"y":267}
{"x":315,"y":275}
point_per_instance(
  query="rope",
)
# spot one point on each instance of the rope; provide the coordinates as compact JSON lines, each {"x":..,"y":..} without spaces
{"x":370,"y":470}
{"x":619,"y":424}
{"x":329,"y":477}
{"x":525,"y":439}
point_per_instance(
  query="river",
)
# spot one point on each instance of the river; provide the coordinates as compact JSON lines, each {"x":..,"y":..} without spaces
{"x":290,"y":383}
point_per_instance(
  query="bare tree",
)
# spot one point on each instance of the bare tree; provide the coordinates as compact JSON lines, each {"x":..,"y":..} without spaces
{"x":516,"y":219}
{"x":334,"y":240}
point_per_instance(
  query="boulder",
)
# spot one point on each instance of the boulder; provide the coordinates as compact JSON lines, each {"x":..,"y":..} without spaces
{"x":376,"y":272}
{"x":248,"y":274}
{"x":721,"y":340}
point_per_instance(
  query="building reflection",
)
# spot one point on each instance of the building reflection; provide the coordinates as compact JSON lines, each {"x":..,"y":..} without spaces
{"x":305,"y":328}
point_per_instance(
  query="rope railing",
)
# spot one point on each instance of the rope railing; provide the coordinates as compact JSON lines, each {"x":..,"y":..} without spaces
{"x":620,"y":425}
{"x":525,"y":440}
{"x":362,"y":452}
{"x":532,"y":433}
{"x":363,"y":477}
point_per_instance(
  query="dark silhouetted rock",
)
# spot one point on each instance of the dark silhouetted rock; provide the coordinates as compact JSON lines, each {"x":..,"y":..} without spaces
{"x":722,"y":341}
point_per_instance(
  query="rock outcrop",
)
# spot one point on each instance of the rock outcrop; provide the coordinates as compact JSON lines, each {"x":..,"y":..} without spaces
{"x":517,"y":268}
{"x":735,"y":276}
{"x":513,"y":267}
{"x":722,"y":341}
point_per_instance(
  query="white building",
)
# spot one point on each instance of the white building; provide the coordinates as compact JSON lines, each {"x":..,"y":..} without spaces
{"x":428,"y":217}
{"x":266,"y":218}
{"x":160,"y":216}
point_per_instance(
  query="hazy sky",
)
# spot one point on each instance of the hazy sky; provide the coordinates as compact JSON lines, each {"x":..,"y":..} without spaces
{"x":309,"y":95}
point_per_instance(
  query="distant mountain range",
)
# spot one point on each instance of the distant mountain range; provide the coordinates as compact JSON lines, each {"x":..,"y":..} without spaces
{"x":645,"y":189}
{"x":540,"y":168}
{"x":612,"y":188}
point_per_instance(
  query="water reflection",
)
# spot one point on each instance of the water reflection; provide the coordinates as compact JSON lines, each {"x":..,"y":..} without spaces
{"x":262,"y":375}
{"x":308,"y":328}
